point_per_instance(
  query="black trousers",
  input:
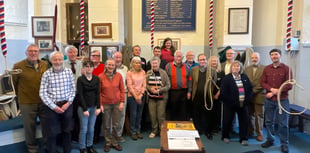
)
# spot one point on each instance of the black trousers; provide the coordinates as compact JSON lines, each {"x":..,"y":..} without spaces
{"x":228,"y":117}
{"x":53,"y":124}
{"x":176,"y":106}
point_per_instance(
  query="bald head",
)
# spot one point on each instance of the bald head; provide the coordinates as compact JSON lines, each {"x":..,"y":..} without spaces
{"x":190,"y":56}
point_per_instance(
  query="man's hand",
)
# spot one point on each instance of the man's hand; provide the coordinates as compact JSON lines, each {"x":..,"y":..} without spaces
{"x":269,"y":95}
{"x":59,"y":110}
{"x":102,"y":109}
{"x":65,"y":106}
{"x":274,"y":91}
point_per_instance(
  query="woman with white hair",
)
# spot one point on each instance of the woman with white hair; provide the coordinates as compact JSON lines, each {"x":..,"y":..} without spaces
{"x":136,"y":86}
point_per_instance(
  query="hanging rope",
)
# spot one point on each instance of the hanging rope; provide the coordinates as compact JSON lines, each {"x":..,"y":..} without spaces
{"x":210,"y":82}
{"x":211,"y":25}
{"x":55,"y":27}
{"x":290,"y":81}
{"x":82,"y":26}
{"x":2,"y":33}
{"x":152,"y":24}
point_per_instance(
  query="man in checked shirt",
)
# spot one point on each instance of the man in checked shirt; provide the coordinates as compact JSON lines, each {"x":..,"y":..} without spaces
{"x":57,"y":92}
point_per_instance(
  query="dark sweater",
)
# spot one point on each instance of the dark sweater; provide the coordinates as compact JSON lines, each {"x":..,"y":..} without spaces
{"x":88,"y":92}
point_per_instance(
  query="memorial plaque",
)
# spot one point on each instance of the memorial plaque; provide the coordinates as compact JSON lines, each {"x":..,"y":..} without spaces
{"x":170,"y":15}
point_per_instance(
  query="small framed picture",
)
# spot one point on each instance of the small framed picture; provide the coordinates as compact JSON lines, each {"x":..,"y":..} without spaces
{"x":101,"y":30}
{"x":44,"y":44}
{"x":42,"y":26}
{"x":176,"y":43}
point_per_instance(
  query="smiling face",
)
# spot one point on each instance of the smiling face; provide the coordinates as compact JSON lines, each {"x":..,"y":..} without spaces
{"x":136,"y":65}
{"x":190,"y":57}
{"x":178,"y":58}
{"x":110,"y":66}
{"x":155,"y":65}
{"x":230,"y":54}
{"x":275,"y":57}
{"x":202,"y":61}
{"x":72,"y":54}
{"x":157,"y":52}
{"x":136,"y":51}
{"x":255,"y":58}
{"x":168,"y":44}
{"x":214,"y":63}
{"x":117,"y":58}
{"x":57,"y":62}
{"x":32,"y":53}
{"x":235,"y":68}
{"x":95,"y":57}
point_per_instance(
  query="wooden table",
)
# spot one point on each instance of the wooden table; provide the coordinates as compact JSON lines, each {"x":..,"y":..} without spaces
{"x":164,"y":140}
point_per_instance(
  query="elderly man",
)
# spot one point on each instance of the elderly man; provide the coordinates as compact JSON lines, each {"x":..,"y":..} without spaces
{"x":57,"y":92}
{"x":204,"y":119}
{"x":122,"y":69}
{"x":76,"y":67}
{"x":230,"y":57}
{"x":256,"y":106}
{"x":274,"y":75}
{"x":190,"y":60}
{"x":156,"y":53}
{"x":181,"y":87}
{"x":29,"y":100}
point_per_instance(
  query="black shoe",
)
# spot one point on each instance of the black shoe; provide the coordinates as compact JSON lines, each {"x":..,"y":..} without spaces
{"x":267,"y":144}
{"x":209,"y":136}
{"x":106,"y":148}
{"x":96,"y":139}
{"x":91,"y":149}
{"x":284,"y":148}
{"x":140,"y":136}
{"x":118,"y":147}
{"x":83,"y":150}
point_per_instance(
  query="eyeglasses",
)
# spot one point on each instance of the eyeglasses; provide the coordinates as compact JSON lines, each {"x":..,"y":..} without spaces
{"x":95,"y":55}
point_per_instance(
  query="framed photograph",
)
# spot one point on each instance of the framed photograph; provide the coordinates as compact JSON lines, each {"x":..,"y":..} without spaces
{"x":101,"y":30}
{"x":85,"y":53}
{"x":176,"y":43}
{"x":44,"y":44}
{"x":42,"y":26}
{"x":106,"y":52}
{"x":238,"y":20}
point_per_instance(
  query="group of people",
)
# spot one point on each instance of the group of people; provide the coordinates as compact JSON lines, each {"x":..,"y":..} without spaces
{"x":208,"y":92}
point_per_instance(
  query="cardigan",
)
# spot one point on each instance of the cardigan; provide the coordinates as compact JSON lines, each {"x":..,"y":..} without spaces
{"x":111,"y":92}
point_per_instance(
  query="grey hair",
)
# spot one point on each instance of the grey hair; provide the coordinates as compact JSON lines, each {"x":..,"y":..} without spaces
{"x":55,"y":53}
{"x":154,"y":58}
{"x":218,"y":68}
{"x":96,"y":51}
{"x":69,"y":48}
{"x":135,"y":58}
{"x":178,"y":51}
{"x":240,"y":65}
{"x":31,"y":45}
{"x":106,"y":64}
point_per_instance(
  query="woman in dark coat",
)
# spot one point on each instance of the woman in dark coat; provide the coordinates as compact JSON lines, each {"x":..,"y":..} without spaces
{"x":236,"y":92}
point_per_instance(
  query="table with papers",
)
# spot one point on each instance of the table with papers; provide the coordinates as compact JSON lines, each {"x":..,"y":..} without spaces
{"x":180,"y":137}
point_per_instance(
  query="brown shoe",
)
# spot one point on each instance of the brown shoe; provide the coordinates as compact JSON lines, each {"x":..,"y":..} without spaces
{"x":260,"y":138}
{"x":118,"y":147}
{"x":106,"y":148}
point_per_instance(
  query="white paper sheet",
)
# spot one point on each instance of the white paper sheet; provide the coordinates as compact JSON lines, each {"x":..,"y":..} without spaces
{"x":184,"y":134}
{"x":182,"y":144}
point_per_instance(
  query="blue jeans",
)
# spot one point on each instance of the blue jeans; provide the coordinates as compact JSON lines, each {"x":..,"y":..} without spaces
{"x":271,"y":108}
{"x":87,"y":124}
{"x":135,"y":114}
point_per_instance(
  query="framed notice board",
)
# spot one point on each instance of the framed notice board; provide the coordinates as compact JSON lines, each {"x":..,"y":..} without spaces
{"x":170,"y":15}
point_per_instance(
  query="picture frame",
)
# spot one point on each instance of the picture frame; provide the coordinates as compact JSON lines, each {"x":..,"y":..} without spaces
{"x":238,"y":20}
{"x":176,"y":42}
{"x":101,"y":30}
{"x":42,"y":26}
{"x":45,"y":43}
{"x":106,"y":52}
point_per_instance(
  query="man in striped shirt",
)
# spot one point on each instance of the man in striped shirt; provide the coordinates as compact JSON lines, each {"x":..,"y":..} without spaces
{"x":181,"y":87}
{"x":57,"y":91}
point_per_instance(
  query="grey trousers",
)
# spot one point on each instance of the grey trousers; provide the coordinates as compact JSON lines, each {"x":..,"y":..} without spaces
{"x":30,"y":112}
{"x":111,"y":115}
{"x":157,"y":109}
